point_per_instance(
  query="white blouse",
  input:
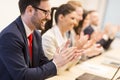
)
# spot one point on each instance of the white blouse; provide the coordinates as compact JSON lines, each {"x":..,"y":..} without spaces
{"x":51,"y":40}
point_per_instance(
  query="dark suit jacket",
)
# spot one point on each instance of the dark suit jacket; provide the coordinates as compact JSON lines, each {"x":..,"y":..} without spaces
{"x":88,"y":31}
{"x":14,"y":55}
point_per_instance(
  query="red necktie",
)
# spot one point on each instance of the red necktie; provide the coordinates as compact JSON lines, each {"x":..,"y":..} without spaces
{"x":30,"y":45}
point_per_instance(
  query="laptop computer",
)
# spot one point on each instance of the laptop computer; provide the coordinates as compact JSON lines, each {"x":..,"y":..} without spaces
{"x":88,"y":76}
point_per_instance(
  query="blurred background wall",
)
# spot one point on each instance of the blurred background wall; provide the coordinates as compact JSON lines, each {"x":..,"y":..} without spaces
{"x":112,"y":12}
{"x":109,"y":10}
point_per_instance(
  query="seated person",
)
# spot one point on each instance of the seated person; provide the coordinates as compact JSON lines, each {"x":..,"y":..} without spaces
{"x":90,"y":48}
{"x":65,"y":18}
{"x":101,"y":38}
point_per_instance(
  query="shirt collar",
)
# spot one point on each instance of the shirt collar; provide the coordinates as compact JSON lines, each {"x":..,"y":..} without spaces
{"x":27,"y":29}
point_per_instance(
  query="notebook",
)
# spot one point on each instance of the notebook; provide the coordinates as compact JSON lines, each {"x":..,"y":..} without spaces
{"x":88,"y":76}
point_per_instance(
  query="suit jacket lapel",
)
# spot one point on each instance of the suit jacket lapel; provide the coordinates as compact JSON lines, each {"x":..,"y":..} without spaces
{"x":35,"y":51}
{"x":22,"y":30}
{"x":38,"y":56}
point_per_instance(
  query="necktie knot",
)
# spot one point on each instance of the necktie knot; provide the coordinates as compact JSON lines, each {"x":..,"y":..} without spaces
{"x":30,"y":38}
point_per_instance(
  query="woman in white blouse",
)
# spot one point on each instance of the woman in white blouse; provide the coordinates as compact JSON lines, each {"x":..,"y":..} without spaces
{"x":55,"y":37}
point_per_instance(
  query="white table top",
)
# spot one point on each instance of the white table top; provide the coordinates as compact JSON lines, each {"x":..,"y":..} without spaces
{"x":93,"y":66}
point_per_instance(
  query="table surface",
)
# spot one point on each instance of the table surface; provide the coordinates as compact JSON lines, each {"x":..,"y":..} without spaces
{"x":93,"y":66}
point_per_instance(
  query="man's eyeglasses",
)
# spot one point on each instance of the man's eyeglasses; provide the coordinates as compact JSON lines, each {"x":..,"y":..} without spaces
{"x":47,"y":12}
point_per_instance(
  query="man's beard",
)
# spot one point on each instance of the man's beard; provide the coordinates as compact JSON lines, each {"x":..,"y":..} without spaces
{"x":39,"y":24}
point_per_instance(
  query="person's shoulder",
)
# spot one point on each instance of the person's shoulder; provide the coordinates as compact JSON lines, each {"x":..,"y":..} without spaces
{"x":49,"y":33}
{"x":11,"y":29}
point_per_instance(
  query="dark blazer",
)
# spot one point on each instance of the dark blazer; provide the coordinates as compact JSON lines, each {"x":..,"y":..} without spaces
{"x":14,"y":55}
{"x":88,"y":31}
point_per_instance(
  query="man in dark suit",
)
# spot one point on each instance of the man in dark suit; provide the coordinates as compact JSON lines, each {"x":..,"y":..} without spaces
{"x":15,"y":61}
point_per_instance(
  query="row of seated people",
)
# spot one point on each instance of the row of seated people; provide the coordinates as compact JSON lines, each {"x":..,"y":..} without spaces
{"x":21,"y":54}
{"x":79,"y":26}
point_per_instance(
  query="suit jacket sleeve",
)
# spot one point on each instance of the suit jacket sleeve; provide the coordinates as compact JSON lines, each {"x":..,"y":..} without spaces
{"x":105,"y":44}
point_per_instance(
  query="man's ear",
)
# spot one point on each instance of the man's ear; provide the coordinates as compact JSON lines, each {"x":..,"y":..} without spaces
{"x":30,"y":10}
